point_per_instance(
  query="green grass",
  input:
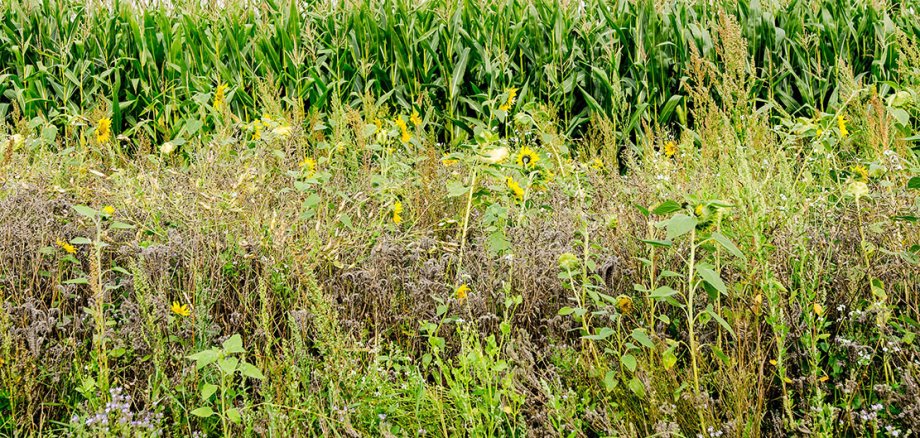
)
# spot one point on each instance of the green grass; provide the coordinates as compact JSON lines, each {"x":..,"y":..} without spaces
{"x":714,"y":231}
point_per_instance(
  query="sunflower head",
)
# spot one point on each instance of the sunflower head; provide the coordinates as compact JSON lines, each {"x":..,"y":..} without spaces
{"x":67,"y":247}
{"x":397,"y":212}
{"x":104,"y":130}
{"x":861,"y":171}
{"x":842,"y":125}
{"x":624,"y":304}
{"x":180,"y":309}
{"x":515,"y":188}
{"x":308,"y":165}
{"x":527,"y":157}
{"x":670,"y":148}
{"x":415,"y":119}
{"x":461,"y":292}
{"x":220,"y":95}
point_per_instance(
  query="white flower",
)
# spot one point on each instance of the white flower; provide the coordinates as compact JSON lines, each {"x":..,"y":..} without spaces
{"x":496,"y":155}
{"x":282,"y":131}
{"x":167,"y":148}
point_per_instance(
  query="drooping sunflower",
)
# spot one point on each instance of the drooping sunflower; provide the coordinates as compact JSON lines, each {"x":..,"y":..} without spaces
{"x":527,"y":157}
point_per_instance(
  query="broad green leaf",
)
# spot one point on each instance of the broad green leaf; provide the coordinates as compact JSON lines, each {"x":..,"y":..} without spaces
{"x":204,"y":358}
{"x":667,"y":207}
{"x":610,"y":380}
{"x":629,"y":361}
{"x":80,"y":241}
{"x":711,"y":277}
{"x":601,"y":334}
{"x":228,"y":364}
{"x":668,"y":359}
{"x":85,"y":211}
{"x":249,"y":370}
{"x":642,"y":337}
{"x":637,"y":387}
{"x":234,"y":344}
{"x":207,"y":390}
{"x":721,"y":321}
{"x":728,"y":245}
{"x":203,"y":412}
{"x":80,"y":280}
{"x":679,"y":225}
{"x":233,"y":414}
{"x":662,"y":292}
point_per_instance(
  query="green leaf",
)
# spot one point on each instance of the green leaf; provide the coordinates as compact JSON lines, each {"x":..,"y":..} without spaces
{"x":228,"y":364}
{"x":207,"y":390}
{"x":662,"y":292}
{"x":667,"y":207}
{"x":636,"y":386}
{"x":204,"y":358}
{"x":642,"y":337}
{"x":728,"y":245}
{"x":565,"y":311}
{"x":203,"y":412}
{"x":914,"y":183}
{"x":234,"y":344}
{"x":721,"y":321}
{"x":610,"y":380}
{"x":629,"y":361}
{"x":679,"y":225}
{"x":121,"y":226}
{"x":668,"y":359}
{"x":455,"y":188}
{"x":85,"y":211}
{"x":233,"y":414}
{"x":249,"y":370}
{"x":80,"y":280}
{"x":662,"y":243}
{"x":80,"y":241}
{"x":603,"y":333}
{"x":711,"y":277}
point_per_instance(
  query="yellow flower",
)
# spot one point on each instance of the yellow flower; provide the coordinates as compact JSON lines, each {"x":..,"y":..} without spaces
{"x":842,"y":124}
{"x":699,"y":210}
{"x":445,"y":160}
{"x":109,"y":210}
{"x":597,"y":164}
{"x":512,"y":94}
{"x":68,"y":248}
{"x":180,"y":309}
{"x":670,"y":148}
{"x":495,"y":156}
{"x":309,"y":165}
{"x":624,"y":304}
{"x":861,"y":171}
{"x":461,"y":292}
{"x":527,"y":157}
{"x":220,"y":95}
{"x":104,"y":130}
{"x":820,"y":131}
{"x":397,"y":212}
{"x":256,"y":127}
{"x":415,"y":119}
{"x":406,"y":136}
{"x":515,"y":188}
{"x":818,"y":309}
{"x":823,"y":378}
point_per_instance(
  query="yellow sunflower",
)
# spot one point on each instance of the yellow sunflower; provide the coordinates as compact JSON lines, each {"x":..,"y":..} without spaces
{"x":180,"y":309}
{"x":461,"y":292}
{"x":527,"y":157}
{"x":397,"y":212}
{"x":104,"y":130}
{"x":68,"y":248}
{"x":515,"y":188}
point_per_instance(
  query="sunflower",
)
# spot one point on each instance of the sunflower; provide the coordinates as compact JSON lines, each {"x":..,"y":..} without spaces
{"x":861,"y":171}
{"x":397,"y":212}
{"x":842,"y":125}
{"x":512,"y":94}
{"x":404,"y":129}
{"x":515,"y":188}
{"x":624,"y":304}
{"x":597,"y":164}
{"x":104,"y":130}
{"x":527,"y":157}
{"x":308,"y":165}
{"x":461,"y":292}
{"x":68,"y":248}
{"x":220,"y":95}
{"x":415,"y":119}
{"x":670,"y":148}
{"x":180,"y":309}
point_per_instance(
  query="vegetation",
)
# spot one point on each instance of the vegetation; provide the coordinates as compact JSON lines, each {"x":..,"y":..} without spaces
{"x":507,"y":218}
